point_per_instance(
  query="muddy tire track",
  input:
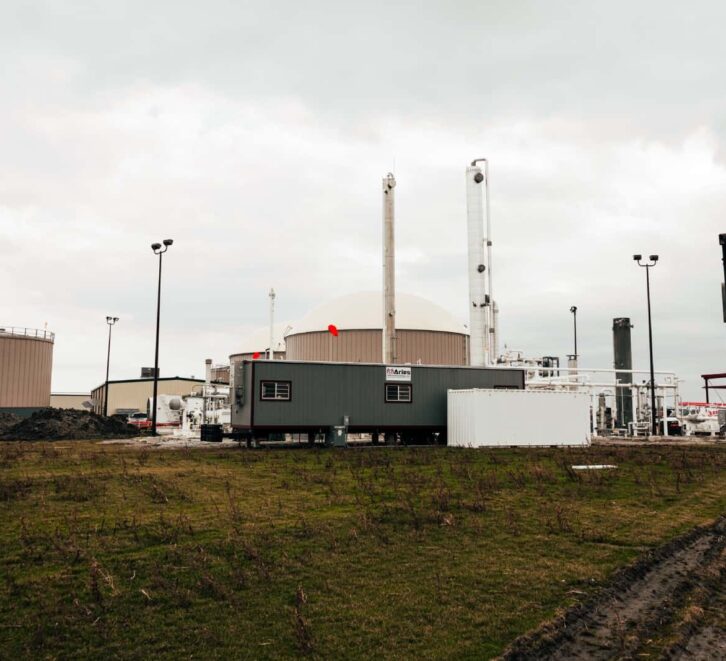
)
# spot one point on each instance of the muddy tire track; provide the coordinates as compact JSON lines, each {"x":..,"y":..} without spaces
{"x":666,"y":605}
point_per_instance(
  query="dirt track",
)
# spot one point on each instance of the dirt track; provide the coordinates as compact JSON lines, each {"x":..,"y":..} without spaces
{"x":669,"y":605}
{"x":658,"y":440}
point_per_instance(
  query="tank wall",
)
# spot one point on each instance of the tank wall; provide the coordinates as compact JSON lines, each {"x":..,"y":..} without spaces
{"x":413,"y":346}
{"x":26,"y":365}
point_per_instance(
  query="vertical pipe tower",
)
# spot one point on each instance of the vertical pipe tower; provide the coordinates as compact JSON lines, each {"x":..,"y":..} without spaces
{"x":623,"y":359}
{"x":205,"y":387}
{"x":493,"y":309}
{"x":389,"y":271}
{"x":271,"y":352}
{"x":479,"y":309}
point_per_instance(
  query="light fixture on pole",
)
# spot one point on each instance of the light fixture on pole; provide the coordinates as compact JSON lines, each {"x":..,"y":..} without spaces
{"x":110,"y":321}
{"x":573,"y":309}
{"x":652,"y":259}
{"x":158,"y":250}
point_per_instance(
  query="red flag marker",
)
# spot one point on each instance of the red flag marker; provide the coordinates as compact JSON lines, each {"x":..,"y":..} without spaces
{"x":255,"y":355}
{"x":333,"y":330}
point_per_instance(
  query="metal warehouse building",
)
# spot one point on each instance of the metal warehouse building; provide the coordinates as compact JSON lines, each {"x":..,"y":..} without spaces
{"x":26,"y":364}
{"x":80,"y":401}
{"x":131,"y":395}
{"x":425,"y":332}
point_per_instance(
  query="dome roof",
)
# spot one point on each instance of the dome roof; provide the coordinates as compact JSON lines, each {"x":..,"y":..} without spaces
{"x":364,"y":310}
{"x":259,"y":340}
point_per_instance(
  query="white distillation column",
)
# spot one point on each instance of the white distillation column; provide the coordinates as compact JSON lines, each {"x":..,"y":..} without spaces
{"x":389,"y":272}
{"x":271,"y":353}
{"x":479,"y":340}
{"x":493,"y":309}
{"x":495,"y":331}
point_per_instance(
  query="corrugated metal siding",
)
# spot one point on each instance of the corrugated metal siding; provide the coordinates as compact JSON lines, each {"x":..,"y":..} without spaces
{"x":135,"y":394}
{"x":69,"y":401}
{"x":26,"y":365}
{"x":365,"y":346}
{"x":322,"y":394}
{"x":479,"y":418}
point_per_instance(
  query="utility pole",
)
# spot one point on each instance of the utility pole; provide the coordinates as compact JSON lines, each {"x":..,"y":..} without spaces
{"x":158,"y":250}
{"x":110,"y":321}
{"x":647,"y":267}
{"x":722,"y":241}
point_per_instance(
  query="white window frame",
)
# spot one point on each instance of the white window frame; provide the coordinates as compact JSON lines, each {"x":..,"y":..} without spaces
{"x":283,"y":391}
{"x":405,"y":387}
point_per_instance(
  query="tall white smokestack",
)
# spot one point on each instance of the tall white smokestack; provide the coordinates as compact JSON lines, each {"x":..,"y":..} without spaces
{"x":479,"y":341}
{"x":495,"y":330}
{"x":493,"y":307}
{"x":271,"y":352}
{"x":389,"y":272}
{"x":208,"y":371}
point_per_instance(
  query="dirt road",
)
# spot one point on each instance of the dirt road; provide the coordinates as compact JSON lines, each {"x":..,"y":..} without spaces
{"x":658,"y":440}
{"x":669,"y":605}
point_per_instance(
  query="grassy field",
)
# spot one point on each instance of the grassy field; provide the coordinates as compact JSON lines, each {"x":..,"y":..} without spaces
{"x":430,"y":553}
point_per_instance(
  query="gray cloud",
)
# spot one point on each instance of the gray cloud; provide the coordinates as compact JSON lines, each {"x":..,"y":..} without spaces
{"x":256,"y":134}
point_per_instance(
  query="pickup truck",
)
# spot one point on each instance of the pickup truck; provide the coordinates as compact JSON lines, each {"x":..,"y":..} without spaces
{"x":139,"y":420}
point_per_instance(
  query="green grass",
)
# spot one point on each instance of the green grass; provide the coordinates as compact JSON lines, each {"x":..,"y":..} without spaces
{"x":396,"y":553}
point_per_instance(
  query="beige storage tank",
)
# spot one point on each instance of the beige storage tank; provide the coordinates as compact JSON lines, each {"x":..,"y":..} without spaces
{"x":26,"y":364}
{"x":425,"y":333}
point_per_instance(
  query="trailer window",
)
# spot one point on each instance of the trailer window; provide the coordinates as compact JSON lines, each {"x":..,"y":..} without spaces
{"x":278,"y":391}
{"x":398,"y":392}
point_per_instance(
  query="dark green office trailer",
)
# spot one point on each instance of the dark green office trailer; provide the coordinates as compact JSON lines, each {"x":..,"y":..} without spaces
{"x":305,"y":397}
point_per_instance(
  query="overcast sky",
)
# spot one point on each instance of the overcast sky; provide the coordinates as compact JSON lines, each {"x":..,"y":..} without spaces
{"x":255,"y":134}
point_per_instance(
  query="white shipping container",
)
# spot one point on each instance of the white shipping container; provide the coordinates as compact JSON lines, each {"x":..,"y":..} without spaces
{"x":480,"y":418}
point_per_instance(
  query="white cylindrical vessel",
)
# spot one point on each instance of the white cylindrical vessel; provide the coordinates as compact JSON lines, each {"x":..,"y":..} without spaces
{"x":493,"y":309}
{"x":478,"y":302}
{"x":271,"y":351}
{"x":389,"y":271}
{"x":495,"y":332}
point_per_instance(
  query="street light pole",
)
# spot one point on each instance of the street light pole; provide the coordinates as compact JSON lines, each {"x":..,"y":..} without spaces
{"x":158,"y":250}
{"x":648,"y":266}
{"x":722,"y":243}
{"x":573,"y":309}
{"x":110,"y":321}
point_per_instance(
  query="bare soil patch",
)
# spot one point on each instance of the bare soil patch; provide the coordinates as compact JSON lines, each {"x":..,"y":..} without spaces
{"x":658,"y":440}
{"x":666,"y":605}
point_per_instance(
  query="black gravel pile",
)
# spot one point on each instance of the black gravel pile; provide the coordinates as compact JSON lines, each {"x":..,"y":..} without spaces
{"x":63,"y":424}
{"x":8,"y":420}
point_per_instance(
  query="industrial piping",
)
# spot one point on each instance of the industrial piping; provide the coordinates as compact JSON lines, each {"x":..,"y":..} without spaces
{"x":389,"y":272}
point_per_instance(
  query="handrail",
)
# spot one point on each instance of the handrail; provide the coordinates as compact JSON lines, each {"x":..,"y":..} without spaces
{"x":27,"y":332}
